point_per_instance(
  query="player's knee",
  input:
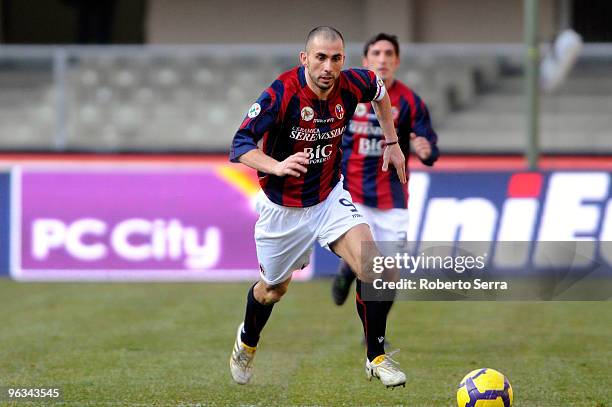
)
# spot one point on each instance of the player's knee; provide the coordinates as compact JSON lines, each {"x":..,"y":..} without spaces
{"x":271,"y":294}
{"x":366,"y":270}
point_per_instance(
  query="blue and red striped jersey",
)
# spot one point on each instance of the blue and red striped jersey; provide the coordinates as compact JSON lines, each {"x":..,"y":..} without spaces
{"x":288,"y":118}
{"x":363,"y":146}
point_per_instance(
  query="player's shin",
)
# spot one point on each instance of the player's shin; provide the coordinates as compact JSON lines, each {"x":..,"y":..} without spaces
{"x":255,"y":319}
{"x":372,"y":309}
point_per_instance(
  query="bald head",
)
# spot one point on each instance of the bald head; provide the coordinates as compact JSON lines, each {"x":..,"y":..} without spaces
{"x":325,"y":33}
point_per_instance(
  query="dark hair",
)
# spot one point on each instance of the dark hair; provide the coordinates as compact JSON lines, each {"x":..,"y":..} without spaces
{"x":329,"y":33}
{"x":381,"y":37}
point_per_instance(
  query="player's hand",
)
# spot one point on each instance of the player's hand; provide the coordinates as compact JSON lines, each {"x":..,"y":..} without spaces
{"x":421,"y":145}
{"x":292,"y":165}
{"x":393,"y":154}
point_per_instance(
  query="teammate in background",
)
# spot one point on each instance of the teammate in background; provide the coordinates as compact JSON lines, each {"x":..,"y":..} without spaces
{"x":380,"y":196}
{"x":300,"y":120}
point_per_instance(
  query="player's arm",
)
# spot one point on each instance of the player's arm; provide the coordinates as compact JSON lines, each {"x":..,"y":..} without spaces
{"x":260,"y":119}
{"x":422,"y":135}
{"x":293,"y":165}
{"x":393,"y":153}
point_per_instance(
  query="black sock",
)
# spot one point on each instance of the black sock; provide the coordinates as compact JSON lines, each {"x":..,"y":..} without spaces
{"x":255,"y":319}
{"x":391,"y":297}
{"x":346,"y":271}
{"x":373,"y":316}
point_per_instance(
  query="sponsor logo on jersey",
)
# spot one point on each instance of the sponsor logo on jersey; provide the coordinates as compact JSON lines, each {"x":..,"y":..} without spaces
{"x":319,"y":154}
{"x":339,"y":111}
{"x":254,"y":110}
{"x":371,"y":147}
{"x":307,"y":114}
{"x":304,"y":134}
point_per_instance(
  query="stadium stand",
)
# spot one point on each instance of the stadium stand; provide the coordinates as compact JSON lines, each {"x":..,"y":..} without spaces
{"x":192,"y":99}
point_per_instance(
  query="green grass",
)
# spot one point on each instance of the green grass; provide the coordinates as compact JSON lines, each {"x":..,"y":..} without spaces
{"x":169,"y":344}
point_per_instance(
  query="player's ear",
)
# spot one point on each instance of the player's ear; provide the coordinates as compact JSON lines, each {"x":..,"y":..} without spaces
{"x":303,"y":58}
{"x":364,"y":62}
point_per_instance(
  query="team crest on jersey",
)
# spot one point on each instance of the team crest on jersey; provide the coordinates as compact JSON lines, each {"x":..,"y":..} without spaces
{"x":361,"y":110}
{"x":254,"y":110}
{"x":339,"y":111}
{"x":307,"y":114}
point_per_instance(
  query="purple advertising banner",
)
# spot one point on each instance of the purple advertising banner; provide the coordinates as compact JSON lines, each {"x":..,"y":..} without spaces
{"x":143,"y":224}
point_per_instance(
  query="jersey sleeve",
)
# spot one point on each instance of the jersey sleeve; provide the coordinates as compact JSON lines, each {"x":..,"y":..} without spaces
{"x":260,"y":118}
{"x":419,"y":122}
{"x":368,"y":86}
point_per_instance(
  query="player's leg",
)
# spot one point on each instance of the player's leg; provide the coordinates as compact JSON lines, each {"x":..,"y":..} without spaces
{"x":372,"y":311}
{"x":341,"y":285}
{"x":261,"y":298}
{"x":342,"y":229}
{"x":283,"y":244}
{"x":260,"y":301}
{"x":391,"y":227}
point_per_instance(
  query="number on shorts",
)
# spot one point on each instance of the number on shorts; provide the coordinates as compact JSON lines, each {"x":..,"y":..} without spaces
{"x":347,"y":203}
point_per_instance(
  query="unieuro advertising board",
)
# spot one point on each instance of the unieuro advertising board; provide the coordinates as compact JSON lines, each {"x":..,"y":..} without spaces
{"x":503,"y":206}
{"x":138,"y":224}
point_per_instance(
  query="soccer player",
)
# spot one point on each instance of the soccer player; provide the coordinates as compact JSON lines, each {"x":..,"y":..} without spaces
{"x":299,"y":121}
{"x":378,"y":195}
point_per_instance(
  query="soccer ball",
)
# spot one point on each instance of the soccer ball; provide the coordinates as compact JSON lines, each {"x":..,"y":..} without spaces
{"x":484,"y":388}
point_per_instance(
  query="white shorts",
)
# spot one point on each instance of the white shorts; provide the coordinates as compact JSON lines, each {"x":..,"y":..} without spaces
{"x":387,"y":225}
{"x":284,"y":236}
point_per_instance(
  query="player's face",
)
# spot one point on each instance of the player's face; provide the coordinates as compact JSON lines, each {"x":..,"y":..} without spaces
{"x":323,"y":61}
{"x":382,"y":59}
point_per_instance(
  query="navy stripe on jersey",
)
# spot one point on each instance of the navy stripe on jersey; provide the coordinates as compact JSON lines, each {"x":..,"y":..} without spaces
{"x":302,"y":76}
{"x":398,"y":191}
{"x":370,"y":171}
{"x":422,"y":127}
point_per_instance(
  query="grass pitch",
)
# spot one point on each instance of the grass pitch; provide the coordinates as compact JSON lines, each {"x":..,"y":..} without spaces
{"x":169,"y":344}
